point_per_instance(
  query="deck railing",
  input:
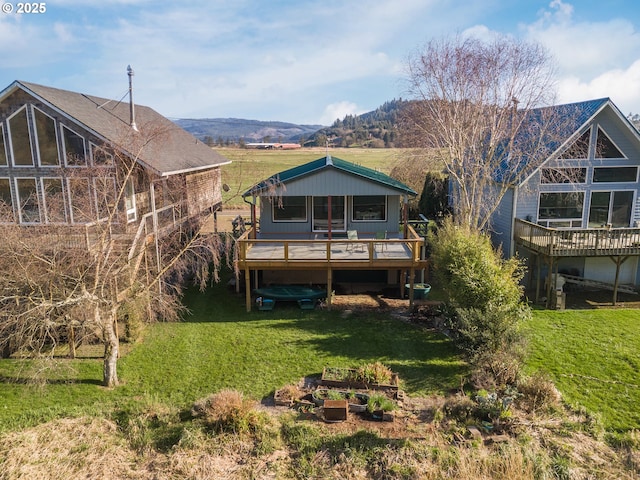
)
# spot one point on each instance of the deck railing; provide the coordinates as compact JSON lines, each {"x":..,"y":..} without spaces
{"x":577,"y":242}
{"x":378,"y":251}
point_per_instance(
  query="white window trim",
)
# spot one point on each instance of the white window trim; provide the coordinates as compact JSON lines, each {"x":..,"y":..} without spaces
{"x":633,"y":201}
{"x":132,"y":213}
{"x":19,"y":201}
{"x":548,"y":221}
{"x":611,"y":167}
{"x":46,"y":206}
{"x":3,"y":137}
{"x":595,"y":146}
{"x":11,"y":194}
{"x":92,"y":148}
{"x":64,"y":147}
{"x":37,"y":140}
{"x":10,"y":138}
{"x":70,"y":197}
{"x":274,"y":206}
{"x":386,"y":210}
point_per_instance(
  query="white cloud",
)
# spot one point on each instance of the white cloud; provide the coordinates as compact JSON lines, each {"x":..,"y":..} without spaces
{"x":595,"y":58}
{"x":620,"y":85}
{"x":339,"y":110}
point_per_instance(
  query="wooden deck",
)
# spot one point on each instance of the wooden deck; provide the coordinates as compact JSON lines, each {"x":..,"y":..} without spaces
{"x":366,"y":253}
{"x":588,"y":242}
{"x":329,"y":255}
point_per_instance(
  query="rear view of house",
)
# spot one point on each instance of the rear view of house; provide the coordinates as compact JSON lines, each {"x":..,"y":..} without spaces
{"x":330,"y":221}
{"x":68,"y":161}
{"x":578,"y":212}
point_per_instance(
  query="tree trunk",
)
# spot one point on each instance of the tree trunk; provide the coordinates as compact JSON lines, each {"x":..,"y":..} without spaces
{"x":111,"y":350}
{"x":71,"y":340}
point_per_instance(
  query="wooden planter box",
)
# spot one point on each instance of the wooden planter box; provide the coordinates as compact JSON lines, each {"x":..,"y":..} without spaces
{"x":328,"y":380}
{"x":335,"y":410}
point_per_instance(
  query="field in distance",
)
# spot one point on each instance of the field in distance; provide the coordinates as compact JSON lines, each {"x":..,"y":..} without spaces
{"x":250,"y":166}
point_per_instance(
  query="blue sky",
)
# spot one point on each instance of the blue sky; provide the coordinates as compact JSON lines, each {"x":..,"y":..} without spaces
{"x":301,"y":61}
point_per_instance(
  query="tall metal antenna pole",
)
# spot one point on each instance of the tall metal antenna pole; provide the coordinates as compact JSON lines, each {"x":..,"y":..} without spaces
{"x":132,"y":114}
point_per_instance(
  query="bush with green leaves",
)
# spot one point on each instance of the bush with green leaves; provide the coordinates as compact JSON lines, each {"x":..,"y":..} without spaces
{"x":485,"y":296}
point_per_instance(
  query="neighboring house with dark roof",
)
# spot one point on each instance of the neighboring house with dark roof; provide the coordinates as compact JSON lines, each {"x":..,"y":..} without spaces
{"x":577,"y":213}
{"x":57,"y":148}
{"x":330,"y":222}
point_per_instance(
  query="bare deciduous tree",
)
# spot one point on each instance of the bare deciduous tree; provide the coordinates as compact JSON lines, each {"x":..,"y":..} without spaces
{"x":477,"y":110}
{"x":63,"y":282}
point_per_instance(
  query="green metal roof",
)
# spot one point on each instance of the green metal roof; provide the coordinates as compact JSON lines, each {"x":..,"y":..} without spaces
{"x":324,"y":163}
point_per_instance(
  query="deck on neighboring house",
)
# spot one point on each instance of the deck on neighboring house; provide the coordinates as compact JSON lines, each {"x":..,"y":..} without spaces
{"x":588,"y":242}
{"x":617,"y":244}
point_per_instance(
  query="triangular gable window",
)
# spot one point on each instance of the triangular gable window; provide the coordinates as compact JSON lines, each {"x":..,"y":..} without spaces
{"x":605,"y":148}
{"x":579,"y":149}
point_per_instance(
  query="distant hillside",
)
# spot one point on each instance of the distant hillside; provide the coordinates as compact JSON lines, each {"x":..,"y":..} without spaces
{"x":375,"y":129}
{"x":226,"y":130}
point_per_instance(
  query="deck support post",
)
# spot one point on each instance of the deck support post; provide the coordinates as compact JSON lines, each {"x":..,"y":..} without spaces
{"x":539,"y":271}
{"x":549,"y":283}
{"x":412,"y":273}
{"x":329,"y":287}
{"x":247,"y":288}
{"x":618,"y":261}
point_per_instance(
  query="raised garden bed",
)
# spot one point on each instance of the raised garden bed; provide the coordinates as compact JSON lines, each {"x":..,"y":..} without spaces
{"x":351,"y":378}
{"x":357,"y":401}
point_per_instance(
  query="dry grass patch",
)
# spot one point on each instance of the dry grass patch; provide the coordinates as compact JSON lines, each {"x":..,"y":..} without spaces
{"x":68,"y":448}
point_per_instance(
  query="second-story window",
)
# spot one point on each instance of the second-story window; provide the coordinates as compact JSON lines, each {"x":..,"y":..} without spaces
{"x":74,"y":149}
{"x":20,"y":139}
{"x":3,"y":150}
{"x":47,"y":141}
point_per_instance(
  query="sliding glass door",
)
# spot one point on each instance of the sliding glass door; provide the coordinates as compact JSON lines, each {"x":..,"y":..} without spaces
{"x":610,"y":208}
{"x":321,"y":214}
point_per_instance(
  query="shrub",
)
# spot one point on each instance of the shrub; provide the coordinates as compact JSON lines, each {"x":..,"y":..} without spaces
{"x":486,"y":308}
{"x":374,"y":373}
{"x":471,"y":272}
{"x":538,"y":393}
{"x":228,"y":411}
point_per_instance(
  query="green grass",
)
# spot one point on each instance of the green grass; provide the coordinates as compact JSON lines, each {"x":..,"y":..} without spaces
{"x":593,"y":356}
{"x":250,"y":166}
{"x":222,"y":346}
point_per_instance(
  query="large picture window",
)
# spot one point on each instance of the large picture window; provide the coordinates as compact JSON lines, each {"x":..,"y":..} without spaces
{"x":47,"y":141}
{"x":29,"y":205}
{"x":290,"y":209}
{"x":370,"y":208}
{"x":561,"y":209}
{"x":6,"y":203}
{"x":20,"y":139}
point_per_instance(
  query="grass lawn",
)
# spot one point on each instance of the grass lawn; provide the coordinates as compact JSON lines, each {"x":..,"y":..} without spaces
{"x":593,"y":356}
{"x":250,"y":166}
{"x":222,"y":346}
